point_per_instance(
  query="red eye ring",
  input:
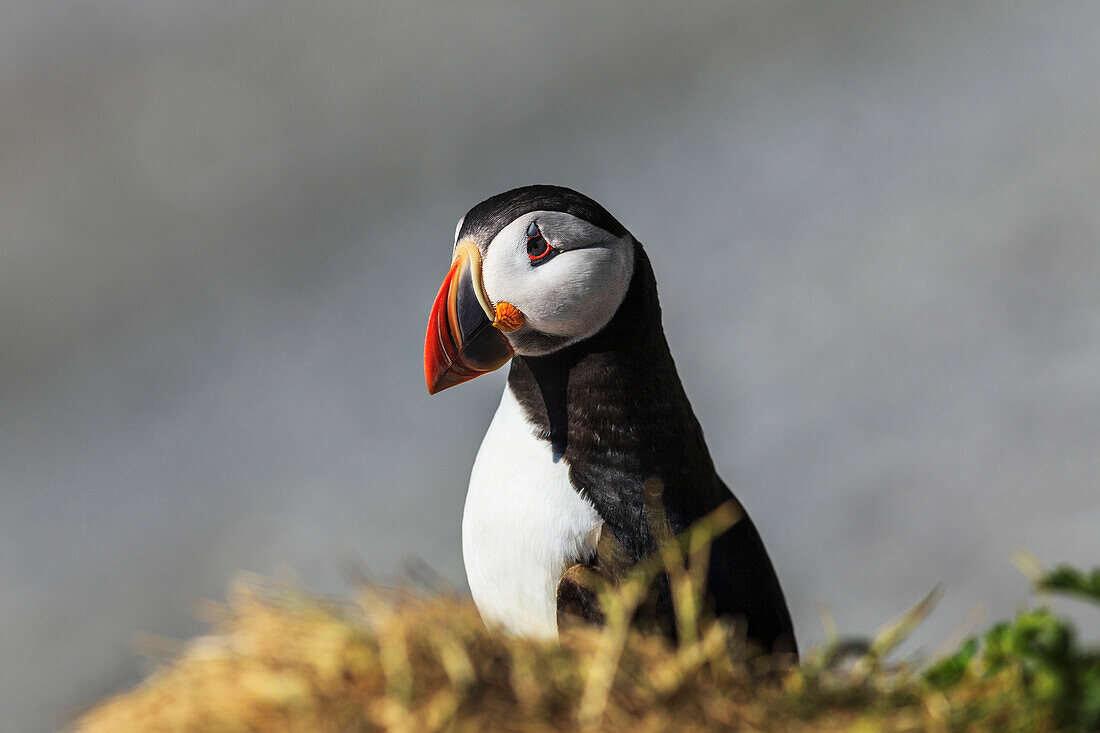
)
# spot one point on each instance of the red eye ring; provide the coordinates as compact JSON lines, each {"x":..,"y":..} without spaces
{"x":544,"y":253}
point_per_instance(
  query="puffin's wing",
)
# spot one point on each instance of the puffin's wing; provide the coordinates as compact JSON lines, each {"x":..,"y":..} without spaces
{"x":578,"y":596}
{"x":580,"y":585}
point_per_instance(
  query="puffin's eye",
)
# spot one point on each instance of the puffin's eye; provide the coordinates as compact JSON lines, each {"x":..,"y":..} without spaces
{"x":538,"y":249}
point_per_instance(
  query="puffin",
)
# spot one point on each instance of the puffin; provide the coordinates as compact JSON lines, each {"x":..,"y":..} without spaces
{"x":593,"y":417}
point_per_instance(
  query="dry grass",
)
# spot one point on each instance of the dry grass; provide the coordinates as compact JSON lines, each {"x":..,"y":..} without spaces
{"x":280,"y":660}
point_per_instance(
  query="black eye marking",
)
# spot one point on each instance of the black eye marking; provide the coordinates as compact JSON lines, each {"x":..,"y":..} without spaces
{"x":538,"y":249}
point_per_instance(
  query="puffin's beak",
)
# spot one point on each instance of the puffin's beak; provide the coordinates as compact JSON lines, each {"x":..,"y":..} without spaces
{"x":461,"y":342}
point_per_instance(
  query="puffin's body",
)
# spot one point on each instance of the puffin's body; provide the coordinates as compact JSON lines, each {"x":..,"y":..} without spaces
{"x":593,"y":410}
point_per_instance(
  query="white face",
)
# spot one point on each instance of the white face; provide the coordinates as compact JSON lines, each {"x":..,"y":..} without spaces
{"x":569,"y":296}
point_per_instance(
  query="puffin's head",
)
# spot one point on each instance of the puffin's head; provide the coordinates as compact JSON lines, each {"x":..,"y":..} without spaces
{"x":535,"y":269}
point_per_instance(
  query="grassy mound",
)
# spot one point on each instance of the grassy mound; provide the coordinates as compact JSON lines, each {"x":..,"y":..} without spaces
{"x":280,"y":660}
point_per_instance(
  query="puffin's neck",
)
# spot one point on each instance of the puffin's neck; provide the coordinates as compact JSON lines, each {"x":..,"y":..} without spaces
{"x":614,"y":409}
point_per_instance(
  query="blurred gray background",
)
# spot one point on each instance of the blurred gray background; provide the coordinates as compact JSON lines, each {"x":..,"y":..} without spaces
{"x":875,"y":228}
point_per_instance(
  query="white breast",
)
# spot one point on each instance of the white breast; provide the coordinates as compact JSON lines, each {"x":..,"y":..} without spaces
{"x":522,"y":526}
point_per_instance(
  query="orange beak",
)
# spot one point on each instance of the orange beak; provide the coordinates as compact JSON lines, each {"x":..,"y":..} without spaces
{"x":462,"y":342}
